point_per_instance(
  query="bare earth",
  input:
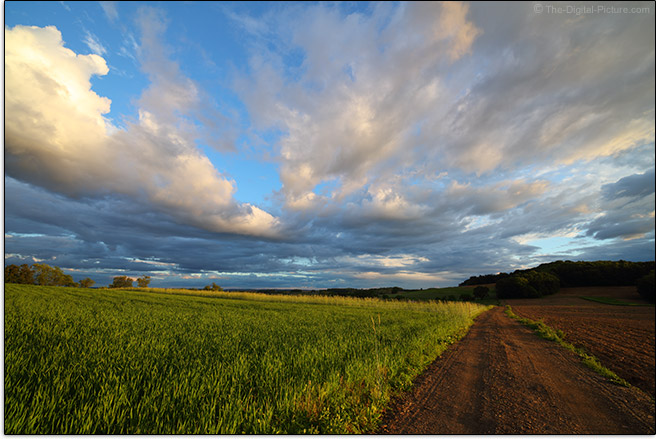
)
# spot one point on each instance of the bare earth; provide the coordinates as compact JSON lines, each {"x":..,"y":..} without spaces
{"x":503,"y":379}
{"x":623,"y":338}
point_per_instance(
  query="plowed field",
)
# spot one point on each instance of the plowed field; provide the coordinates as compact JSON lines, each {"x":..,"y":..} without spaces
{"x":621,"y":337}
{"x":503,"y":379}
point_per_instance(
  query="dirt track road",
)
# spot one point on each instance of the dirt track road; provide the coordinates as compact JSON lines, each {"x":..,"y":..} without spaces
{"x":503,"y":379}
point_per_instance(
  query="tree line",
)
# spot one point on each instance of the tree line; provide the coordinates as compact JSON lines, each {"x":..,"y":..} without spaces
{"x":44,"y":274}
{"x":580,"y":274}
{"x":548,"y":278}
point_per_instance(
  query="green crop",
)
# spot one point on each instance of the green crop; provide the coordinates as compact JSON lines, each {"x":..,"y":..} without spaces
{"x":82,"y":361}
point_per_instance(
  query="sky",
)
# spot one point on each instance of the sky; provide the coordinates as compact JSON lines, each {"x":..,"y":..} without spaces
{"x":322,"y":145}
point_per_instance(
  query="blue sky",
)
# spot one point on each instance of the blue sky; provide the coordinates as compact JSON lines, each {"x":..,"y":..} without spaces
{"x":313,"y":145}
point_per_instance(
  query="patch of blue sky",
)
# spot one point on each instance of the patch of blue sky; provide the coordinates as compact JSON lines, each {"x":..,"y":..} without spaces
{"x":327,"y":187}
{"x":255,"y":180}
{"x":298,"y":260}
{"x":211,"y":41}
{"x":562,"y":245}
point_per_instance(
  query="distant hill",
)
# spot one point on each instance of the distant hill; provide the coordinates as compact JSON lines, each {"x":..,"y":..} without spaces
{"x":580,"y":273}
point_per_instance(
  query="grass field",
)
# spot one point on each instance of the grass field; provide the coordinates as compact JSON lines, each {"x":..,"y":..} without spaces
{"x":82,"y":361}
{"x":445,"y":293}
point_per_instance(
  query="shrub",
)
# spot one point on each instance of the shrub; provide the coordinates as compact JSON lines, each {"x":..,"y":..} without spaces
{"x":466,"y":297}
{"x":481,"y":292}
{"x":646,"y":287}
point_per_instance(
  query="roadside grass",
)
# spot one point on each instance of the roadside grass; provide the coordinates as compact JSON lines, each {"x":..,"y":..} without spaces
{"x":105,"y":361}
{"x":613,"y":301}
{"x":558,"y":336}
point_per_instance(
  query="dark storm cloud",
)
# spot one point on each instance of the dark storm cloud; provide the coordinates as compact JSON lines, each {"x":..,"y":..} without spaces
{"x":637,"y":185}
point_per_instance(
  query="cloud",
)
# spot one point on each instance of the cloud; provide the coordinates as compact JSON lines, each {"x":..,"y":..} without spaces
{"x":417,"y":143}
{"x":637,"y":185}
{"x":110,"y":10}
{"x":627,"y":209}
{"x":94,"y":45}
{"x":361,"y":92}
{"x":445,"y":86}
{"x":57,"y":137}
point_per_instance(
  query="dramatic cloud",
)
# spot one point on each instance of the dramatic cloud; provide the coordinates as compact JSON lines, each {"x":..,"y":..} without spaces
{"x":404,"y":92}
{"x":57,"y":137}
{"x":638,"y":185}
{"x":410,"y":144}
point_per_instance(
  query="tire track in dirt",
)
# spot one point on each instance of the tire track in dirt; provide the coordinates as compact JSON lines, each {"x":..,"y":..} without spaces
{"x":503,"y":379}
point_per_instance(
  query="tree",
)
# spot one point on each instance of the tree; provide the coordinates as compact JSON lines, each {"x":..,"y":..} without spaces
{"x":544,"y":283}
{"x":213,"y":287}
{"x":19,"y":275}
{"x":481,"y":292}
{"x":52,"y":276}
{"x":11,"y":274}
{"x":143,"y":281}
{"x":121,"y":282}
{"x":646,"y":287}
{"x":87,"y":283}
{"x":515,"y":287}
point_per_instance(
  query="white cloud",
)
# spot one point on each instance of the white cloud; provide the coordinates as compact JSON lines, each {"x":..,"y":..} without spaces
{"x":363,"y":92}
{"x":416,"y":277}
{"x":56,"y":136}
{"x":94,"y":45}
{"x":110,"y":10}
{"x":425,"y":87}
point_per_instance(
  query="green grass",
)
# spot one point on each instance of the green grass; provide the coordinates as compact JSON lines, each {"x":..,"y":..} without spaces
{"x":82,"y":361}
{"x":558,"y":336}
{"x":613,"y":301}
{"x":443,"y":293}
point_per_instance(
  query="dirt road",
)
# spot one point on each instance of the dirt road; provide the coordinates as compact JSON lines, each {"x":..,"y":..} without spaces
{"x":503,"y":379}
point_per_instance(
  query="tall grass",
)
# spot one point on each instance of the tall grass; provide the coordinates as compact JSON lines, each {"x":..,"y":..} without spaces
{"x":80,"y":361}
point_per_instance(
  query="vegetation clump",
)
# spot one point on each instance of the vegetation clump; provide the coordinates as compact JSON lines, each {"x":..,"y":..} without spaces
{"x":121,"y":282}
{"x":466,"y":297}
{"x":547,"y":278}
{"x":579,"y":274}
{"x":481,"y":292}
{"x":38,"y":274}
{"x":646,"y":287}
{"x":143,"y":281}
{"x":213,"y":287}
{"x":530,"y":284}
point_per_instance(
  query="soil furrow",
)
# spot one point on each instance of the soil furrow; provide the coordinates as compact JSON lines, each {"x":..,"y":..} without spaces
{"x":503,"y":379}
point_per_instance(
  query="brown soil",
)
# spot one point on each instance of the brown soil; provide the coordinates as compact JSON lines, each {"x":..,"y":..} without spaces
{"x":621,"y":337}
{"x":503,"y":379}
